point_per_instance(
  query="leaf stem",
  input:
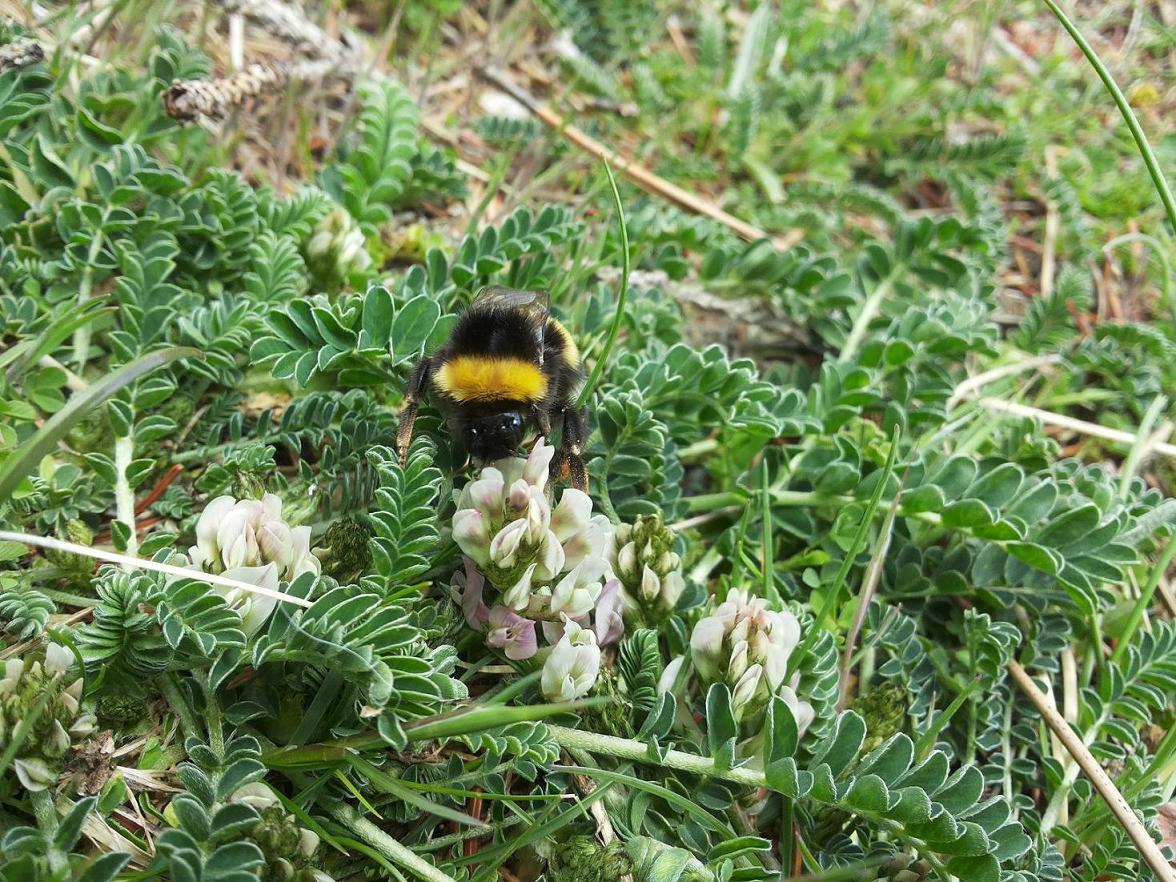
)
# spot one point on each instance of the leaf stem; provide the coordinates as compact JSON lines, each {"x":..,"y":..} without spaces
{"x":869,"y":310}
{"x":1145,"y":150}
{"x":386,"y":845}
{"x":45,"y":812}
{"x":169,"y":687}
{"x":124,"y":496}
{"x":81,"y":337}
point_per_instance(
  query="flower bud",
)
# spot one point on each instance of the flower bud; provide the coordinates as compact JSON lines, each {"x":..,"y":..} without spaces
{"x":643,"y":559}
{"x":505,"y":545}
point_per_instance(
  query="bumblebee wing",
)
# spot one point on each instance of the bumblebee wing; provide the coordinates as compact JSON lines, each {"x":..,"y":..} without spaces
{"x":536,"y":305}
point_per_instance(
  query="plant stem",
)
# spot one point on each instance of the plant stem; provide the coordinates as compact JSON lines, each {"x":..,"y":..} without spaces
{"x":627,"y":748}
{"x":67,"y":598}
{"x":46,"y":814}
{"x":124,"y":497}
{"x":81,"y":337}
{"x":386,"y":845}
{"x":869,"y":310}
{"x":1144,"y":601}
{"x":170,"y":689}
{"x":1145,"y":150}
{"x":216,"y":732}
{"x":787,"y":837}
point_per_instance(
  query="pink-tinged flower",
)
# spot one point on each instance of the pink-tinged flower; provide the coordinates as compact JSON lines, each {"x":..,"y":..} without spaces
{"x":538,"y":464}
{"x":206,"y":550}
{"x":511,"y":633}
{"x":573,"y":666}
{"x":505,"y":545}
{"x":589,"y":542}
{"x":572,"y":514}
{"x":237,"y":536}
{"x":484,"y":494}
{"x":233,"y":533}
{"x":518,"y":596}
{"x":471,"y":584}
{"x":538,"y":563}
{"x":519,"y":498}
{"x":472,"y":535}
{"x":551,"y":559}
{"x":608,"y":623}
{"x":275,"y":539}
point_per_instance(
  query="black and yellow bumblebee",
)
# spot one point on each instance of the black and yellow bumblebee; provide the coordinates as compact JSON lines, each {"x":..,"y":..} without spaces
{"x":508,"y":369}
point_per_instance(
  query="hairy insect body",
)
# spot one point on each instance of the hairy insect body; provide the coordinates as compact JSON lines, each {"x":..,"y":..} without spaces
{"x":508,"y":370}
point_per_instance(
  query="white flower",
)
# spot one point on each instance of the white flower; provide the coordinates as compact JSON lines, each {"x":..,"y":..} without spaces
{"x":233,"y":533}
{"x":746,"y":645}
{"x":571,"y":669}
{"x":58,"y":659}
{"x":254,"y":608}
{"x":576,"y":594}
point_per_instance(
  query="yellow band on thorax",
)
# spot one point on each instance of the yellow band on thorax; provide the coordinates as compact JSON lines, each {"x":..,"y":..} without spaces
{"x":491,"y":378}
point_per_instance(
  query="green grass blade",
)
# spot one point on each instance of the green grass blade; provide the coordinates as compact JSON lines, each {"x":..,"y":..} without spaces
{"x":1145,"y":150}
{"x":618,"y":317}
{"x":25,"y":458}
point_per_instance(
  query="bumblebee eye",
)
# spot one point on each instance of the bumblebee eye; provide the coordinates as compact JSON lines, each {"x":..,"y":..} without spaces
{"x":511,"y":422}
{"x":472,"y":432}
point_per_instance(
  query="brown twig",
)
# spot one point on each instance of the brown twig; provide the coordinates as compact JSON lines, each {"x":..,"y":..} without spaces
{"x":639,"y":175}
{"x":164,"y":482}
{"x":1106,"y":788}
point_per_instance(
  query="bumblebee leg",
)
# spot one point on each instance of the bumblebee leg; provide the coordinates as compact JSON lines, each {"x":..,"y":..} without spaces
{"x":417,"y":384}
{"x":568,"y":461}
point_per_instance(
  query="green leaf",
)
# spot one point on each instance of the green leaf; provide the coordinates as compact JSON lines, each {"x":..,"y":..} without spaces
{"x":413,"y":324}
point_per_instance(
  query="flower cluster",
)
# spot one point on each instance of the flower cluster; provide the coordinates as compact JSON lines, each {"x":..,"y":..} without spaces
{"x":746,"y":645}
{"x":532,"y":569}
{"x":39,"y":687}
{"x":337,"y":248}
{"x":248,"y":540}
{"x":642,"y":557}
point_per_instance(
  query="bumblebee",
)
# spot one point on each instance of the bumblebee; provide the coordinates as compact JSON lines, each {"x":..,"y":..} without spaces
{"x":507,"y":370}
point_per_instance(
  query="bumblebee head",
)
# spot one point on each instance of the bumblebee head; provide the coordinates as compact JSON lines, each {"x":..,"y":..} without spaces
{"x":493,"y":436}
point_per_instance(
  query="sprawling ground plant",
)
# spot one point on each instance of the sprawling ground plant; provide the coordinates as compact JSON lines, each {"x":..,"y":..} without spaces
{"x":841,"y":492}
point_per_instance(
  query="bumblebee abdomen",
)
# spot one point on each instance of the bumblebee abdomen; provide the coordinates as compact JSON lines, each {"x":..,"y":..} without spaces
{"x":563,"y":341}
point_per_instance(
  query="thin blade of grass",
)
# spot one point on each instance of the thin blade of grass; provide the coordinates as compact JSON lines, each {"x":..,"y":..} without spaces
{"x":1141,"y":142}
{"x":24,"y":459}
